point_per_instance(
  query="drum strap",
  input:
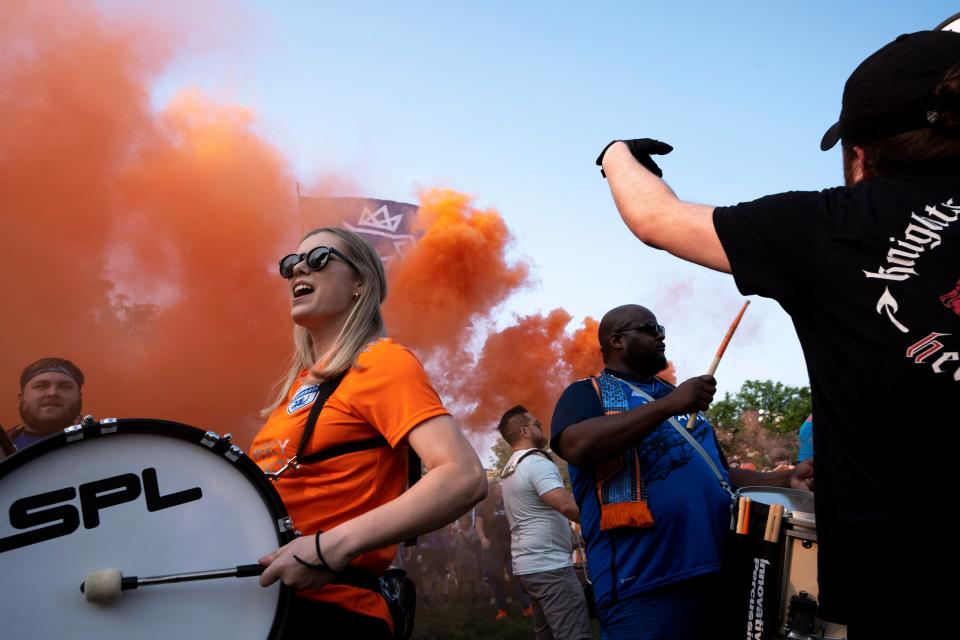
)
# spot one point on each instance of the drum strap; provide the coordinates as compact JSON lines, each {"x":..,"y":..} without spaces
{"x":342,"y":449}
{"x":690,"y":439}
{"x":532,"y":452}
{"x":323,"y":394}
{"x":353,"y":577}
{"x":375,"y":442}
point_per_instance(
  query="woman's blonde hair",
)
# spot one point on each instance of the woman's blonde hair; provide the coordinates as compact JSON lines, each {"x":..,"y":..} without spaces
{"x":364,"y":322}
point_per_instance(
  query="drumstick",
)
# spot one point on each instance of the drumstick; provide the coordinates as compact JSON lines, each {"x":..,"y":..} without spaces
{"x":692,"y":418}
{"x":743,"y":515}
{"x":772,"y":515}
{"x":104,"y":586}
{"x":746,"y":516}
{"x":775,"y":531}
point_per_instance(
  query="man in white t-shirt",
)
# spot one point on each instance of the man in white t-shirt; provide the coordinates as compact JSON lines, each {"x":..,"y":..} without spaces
{"x":539,"y":509}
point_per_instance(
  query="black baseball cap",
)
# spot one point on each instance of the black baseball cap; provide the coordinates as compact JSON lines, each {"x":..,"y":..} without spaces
{"x":891,"y":91}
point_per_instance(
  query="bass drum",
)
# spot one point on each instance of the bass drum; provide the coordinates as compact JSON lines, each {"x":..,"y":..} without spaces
{"x":147,"y":497}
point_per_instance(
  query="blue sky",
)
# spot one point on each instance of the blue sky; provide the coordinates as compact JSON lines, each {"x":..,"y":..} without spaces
{"x":512,"y":102}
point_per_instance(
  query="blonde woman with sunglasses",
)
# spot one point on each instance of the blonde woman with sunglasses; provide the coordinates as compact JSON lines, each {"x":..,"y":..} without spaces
{"x":352,"y":506}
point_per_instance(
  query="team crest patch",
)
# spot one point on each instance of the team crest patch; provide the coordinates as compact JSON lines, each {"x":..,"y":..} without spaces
{"x":305,"y":396}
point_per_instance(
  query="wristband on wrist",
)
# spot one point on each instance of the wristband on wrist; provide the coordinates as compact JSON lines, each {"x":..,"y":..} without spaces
{"x":321,"y":564}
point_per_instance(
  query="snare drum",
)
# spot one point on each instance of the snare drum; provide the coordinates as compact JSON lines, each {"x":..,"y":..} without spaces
{"x":950,"y":24}
{"x":795,"y":552}
{"x":149,"y":498}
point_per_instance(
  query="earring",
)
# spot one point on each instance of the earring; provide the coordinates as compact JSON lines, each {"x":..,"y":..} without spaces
{"x":356,"y":294}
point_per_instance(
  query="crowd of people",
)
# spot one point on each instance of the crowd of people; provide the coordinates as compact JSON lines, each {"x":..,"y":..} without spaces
{"x":866,"y":271}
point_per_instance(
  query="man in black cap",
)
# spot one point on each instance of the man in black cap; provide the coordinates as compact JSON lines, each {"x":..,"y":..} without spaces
{"x":869,"y":275}
{"x":50,"y":399}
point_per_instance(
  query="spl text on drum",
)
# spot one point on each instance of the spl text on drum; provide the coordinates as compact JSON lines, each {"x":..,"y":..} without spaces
{"x":135,"y":498}
{"x":32,"y":511}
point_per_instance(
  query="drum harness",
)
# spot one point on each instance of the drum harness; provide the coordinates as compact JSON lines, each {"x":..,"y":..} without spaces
{"x":688,"y":436}
{"x":350,"y":576}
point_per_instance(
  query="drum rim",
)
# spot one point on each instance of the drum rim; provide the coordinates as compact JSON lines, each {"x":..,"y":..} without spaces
{"x":194,"y":435}
{"x":946,"y":23}
{"x":786,"y":491}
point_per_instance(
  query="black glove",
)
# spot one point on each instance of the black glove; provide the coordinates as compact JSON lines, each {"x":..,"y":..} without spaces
{"x":641,"y":148}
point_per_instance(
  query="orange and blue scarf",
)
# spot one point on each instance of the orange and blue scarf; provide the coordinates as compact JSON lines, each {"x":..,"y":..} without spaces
{"x":621,"y":491}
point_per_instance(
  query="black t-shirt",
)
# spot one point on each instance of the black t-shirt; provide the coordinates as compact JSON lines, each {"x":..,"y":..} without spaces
{"x":870,"y":276}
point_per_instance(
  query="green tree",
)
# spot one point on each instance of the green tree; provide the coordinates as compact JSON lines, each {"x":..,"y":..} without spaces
{"x":725,"y":413}
{"x":758,"y":424}
{"x":781,"y":408}
{"x":499,"y":454}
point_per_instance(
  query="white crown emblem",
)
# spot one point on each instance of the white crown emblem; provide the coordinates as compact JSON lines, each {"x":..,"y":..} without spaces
{"x":380,"y":219}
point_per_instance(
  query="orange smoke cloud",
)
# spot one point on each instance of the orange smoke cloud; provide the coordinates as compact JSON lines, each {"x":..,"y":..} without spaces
{"x":529,"y":363}
{"x":455,"y":276}
{"x":142,"y":245}
{"x":445,"y":293}
{"x":669,"y":374}
{"x":136,"y":243}
{"x":582,"y":351}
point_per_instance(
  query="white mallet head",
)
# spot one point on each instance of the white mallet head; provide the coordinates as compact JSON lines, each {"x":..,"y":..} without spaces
{"x":103,"y":586}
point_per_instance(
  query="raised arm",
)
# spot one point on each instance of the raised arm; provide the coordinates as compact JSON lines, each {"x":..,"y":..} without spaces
{"x":657,"y":217}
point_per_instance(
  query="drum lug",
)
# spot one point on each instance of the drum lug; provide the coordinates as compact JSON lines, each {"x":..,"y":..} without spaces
{"x":210,"y":438}
{"x":108,"y":425}
{"x":285,"y":524}
{"x":74,"y":433}
{"x":230,"y":451}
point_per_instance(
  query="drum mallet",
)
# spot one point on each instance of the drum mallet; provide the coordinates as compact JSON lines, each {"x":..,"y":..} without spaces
{"x":104,"y":586}
{"x":692,"y":418}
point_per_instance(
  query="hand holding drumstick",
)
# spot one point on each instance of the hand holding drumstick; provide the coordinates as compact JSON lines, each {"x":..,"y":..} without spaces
{"x":692,"y":418}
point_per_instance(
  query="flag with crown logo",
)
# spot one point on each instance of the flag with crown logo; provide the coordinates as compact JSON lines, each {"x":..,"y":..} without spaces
{"x":387,"y":225}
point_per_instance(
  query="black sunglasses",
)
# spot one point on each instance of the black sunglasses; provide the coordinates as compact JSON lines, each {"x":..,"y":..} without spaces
{"x":317,"y":258}
{"x":650,"y":327}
